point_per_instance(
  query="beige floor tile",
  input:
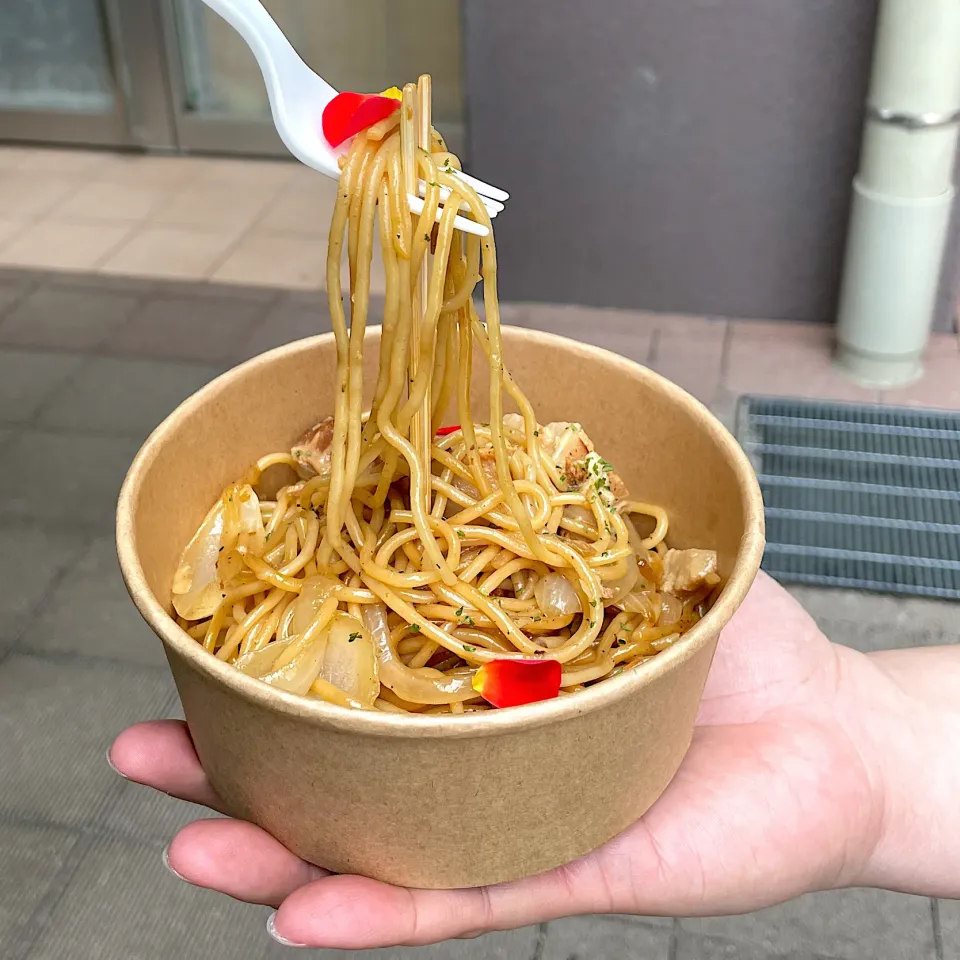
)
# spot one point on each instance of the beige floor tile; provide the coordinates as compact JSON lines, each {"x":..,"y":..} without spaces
{"x":304,"y":207}
{"x":162,"y":251}
{"x":700,"y":330}
{"x":262,"y":173}
{"x":25,"y":195}
{"x":62,"y":162}
{"x":280,"y":261}
{"x":819,"y":333}
{"x":10,"y":158}
{"x":10,"y":228}
{"x":626,"y":332}
{"x":114,"y":201}
{"x":156,"y":170}
{"x":940,"y":386}
{"x":63,"y":245}
{"x":789,"y":365}
{"x":215,"y":205}
{"x":942,"y":344}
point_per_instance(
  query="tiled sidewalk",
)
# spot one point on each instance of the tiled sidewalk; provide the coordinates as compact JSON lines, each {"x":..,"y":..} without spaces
{"x":88,"y":365}
{"x":187,"y":218}
{"x":264,"y":224}
{"x":718,"y":360}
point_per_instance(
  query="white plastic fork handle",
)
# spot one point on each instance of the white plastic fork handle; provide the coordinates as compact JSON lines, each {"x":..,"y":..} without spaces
{"x":297,"y":95}
{"x":461,"y":223}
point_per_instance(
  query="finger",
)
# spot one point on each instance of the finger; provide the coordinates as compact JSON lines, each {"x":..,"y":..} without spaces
{"x":239,"y":859}
{"x":160,"y":754}
{"x":349,"y":912}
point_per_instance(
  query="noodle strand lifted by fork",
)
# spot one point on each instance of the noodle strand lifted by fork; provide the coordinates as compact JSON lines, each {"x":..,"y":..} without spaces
{"x":386,"y":574}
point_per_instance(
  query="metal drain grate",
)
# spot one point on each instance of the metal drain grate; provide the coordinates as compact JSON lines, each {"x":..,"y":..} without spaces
{"x":857,"y":495}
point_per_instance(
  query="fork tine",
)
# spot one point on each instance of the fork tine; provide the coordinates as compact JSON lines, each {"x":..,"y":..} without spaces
{"x":493,"y":206}
{"x":461,"y":223}
{"x":484,"y":189}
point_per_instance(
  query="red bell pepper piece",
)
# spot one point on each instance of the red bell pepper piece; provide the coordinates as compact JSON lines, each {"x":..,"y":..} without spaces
{"x":511,"y":683}
{"x":349,"y":113}
{"x":446,"y":431}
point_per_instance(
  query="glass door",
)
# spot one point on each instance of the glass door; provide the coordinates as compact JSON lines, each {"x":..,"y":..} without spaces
{"x":219,"y":99}
{"x":57,"y":77}
{"x":171,"y":75}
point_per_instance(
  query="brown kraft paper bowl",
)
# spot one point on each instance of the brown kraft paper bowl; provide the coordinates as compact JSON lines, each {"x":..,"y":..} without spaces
{"x":443,"y":802}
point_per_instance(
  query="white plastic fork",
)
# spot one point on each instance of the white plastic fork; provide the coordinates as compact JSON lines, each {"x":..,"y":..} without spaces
{"x":298,"y":96}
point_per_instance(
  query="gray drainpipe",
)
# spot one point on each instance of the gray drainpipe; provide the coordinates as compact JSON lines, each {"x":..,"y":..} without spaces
{"x":903,"y":193}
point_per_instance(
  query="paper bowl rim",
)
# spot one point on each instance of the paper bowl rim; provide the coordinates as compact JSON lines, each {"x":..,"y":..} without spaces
{"x":491,"y":723}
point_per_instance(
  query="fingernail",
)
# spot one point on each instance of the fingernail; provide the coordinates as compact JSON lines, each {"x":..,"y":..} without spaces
{"x":272,"y":930}
{"x":166,"y":863}
{"x":113,"y":766}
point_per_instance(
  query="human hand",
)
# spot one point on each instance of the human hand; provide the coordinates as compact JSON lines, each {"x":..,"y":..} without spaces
{"x":783,"y":791}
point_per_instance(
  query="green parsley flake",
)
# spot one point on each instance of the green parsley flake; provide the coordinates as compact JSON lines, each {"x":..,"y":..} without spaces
{"x":352,"y":637}
{"x":468,"y":648}
{"x":415,"y":627}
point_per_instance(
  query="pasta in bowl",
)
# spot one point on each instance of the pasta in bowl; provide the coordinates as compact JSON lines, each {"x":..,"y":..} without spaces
{"x":516,"y":621}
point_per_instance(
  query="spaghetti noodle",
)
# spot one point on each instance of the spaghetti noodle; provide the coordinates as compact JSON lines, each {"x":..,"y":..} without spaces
{"x":406,"y":561}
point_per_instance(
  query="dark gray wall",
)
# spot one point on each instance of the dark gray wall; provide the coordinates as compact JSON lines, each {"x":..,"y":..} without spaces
{"x":676,"y":155}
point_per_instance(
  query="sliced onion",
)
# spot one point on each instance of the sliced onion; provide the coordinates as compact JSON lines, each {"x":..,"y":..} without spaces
{"x":556,"y":596}
{"x":514,"y":421}
{"x":672,"y":610}
{"x":465,"y":486}
{"x":643,"y":601}
{"x":634,"y":537}
{"x":196,"y":585}
{"x":625,"y":584}
{"x":250,"y":517}
{"x":582,"y":516}
{"x":574,"y":511}
{"x":374,"y":616}
{"x":307,"y":605}
{"x":424,"y":685}
{"x":350,"y":660}
{"x":259,"y":662}
{"x":298,"y":675}
{"x":560,"y":438}
{"x":196,"y":589}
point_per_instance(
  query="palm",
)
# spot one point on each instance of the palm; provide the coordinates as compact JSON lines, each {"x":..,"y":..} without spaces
{"x":761,"y":809}
{"x":771,"y":789}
